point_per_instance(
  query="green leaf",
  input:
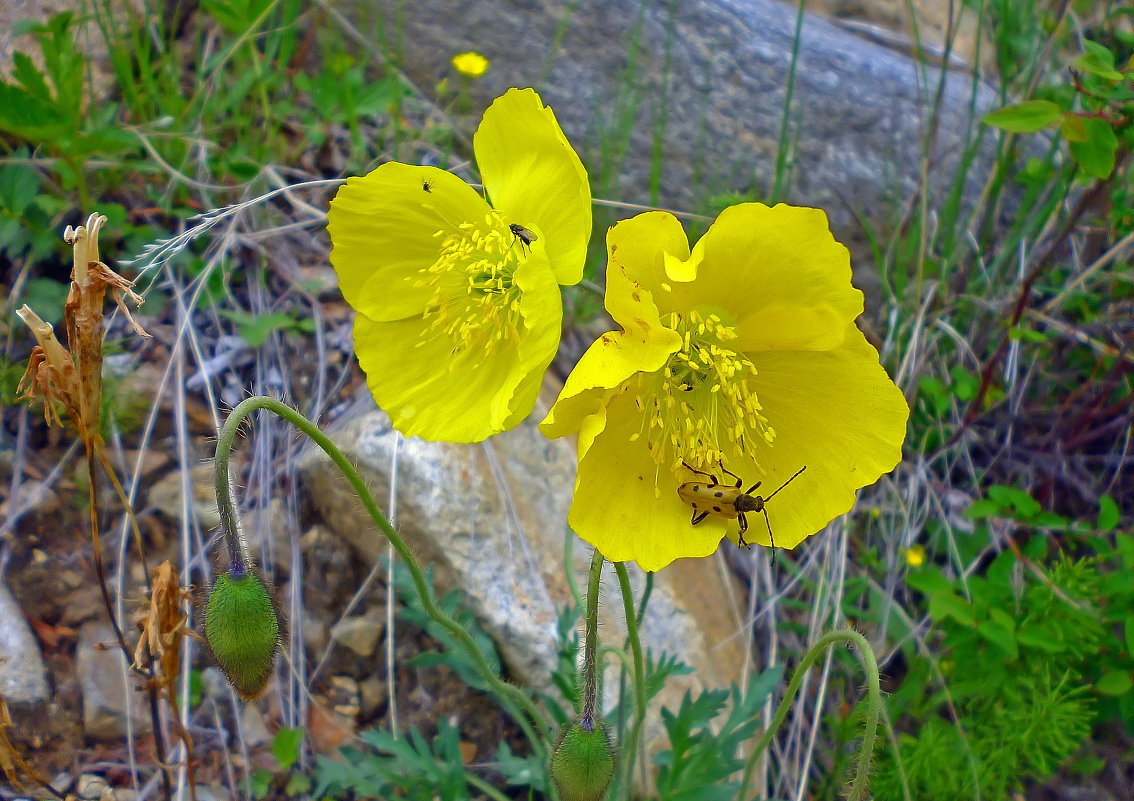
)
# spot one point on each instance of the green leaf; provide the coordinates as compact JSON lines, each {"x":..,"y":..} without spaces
{"x":1114,"y":683}
{"x":285,"y":746}
{"x":1002,"y":619}
{"x":1015,"y":500}
{"x":1000,"y":637}
{"x":261,"y":783}
{"x":46,"y":297}
{"x":984,"y":508}
{"x":297,"y":785}
{"x":1026,"y":117}
{"x":1129,"y":632}
{"x":19,"y":184}
{"x":1108,"y":514}
{"x":1096,"y":155}
{"x":929,"y":581}
{"x":1097,"y":60}
{"x":947,"y":604}
{"x":256,"y":328}
{"x":28,"y":117}
{"x":1073,"y":129}
{"x":1040,"y":639}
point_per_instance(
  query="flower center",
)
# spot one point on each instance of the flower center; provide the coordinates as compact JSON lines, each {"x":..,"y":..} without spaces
{"x":703,"y":405}
{"x":476,"y":302}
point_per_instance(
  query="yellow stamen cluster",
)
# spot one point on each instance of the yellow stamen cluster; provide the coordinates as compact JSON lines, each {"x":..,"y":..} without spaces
{"x":475,"y":301}
{"x":703,"y":399}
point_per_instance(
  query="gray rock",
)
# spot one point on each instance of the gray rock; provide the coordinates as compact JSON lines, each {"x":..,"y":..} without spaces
{"x":858,"y":112}
{"x":32,"y":496}
{"x":108,"y":687}
{"x":360,"y":634}
{"x":373,"y":694}
{"x":91,"y":785}
{"x":165,"y":495}
{"x":23,"y":676}
{"x":252,"y":726}
{"x":215,"y":685}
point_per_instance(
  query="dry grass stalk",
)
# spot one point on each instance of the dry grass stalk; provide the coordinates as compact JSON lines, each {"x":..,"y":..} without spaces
{"x":72,"y":378}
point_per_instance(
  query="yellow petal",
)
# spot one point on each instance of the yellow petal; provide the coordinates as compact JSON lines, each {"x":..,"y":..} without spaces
{"x":644,"y":345}
{"x":616,"y":507}
{"x":642,"y":246}
{"x":836,"y":413}
{"x":534,"y":177}
{"x":382,"y":228}
{"x":431,"y":391}
{"x":778,"y":271}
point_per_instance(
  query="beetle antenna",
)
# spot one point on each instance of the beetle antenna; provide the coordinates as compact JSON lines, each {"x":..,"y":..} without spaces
{"x":793,"y":478}
{"x":771,"y":538}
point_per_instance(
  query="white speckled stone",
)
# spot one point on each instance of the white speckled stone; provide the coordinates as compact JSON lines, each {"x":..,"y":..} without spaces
{"x":23,"y":676}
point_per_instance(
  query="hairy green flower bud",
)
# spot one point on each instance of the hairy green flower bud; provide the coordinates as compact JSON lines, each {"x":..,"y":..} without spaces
{"x":242,"y":628}
{"x":582,"y":763}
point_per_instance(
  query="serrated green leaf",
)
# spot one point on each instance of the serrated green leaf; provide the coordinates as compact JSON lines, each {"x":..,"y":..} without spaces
{"x":1114,"y":683}
{"x":1108,"y":514}
{"x":1095,"y":156}
{"x":1027,"y":117}
{"x":28,"y":117}
{"x":1073,"y":129}
{"x":1097,"y":60}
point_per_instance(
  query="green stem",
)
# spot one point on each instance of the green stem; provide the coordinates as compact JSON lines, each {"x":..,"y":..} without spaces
{"x":645,"y":597}
{"x":639,"y":671}
{"x":590,"y":646}
{"x":483,"y":786}
{"x":506,"y":692}
{"x":873,"y":709}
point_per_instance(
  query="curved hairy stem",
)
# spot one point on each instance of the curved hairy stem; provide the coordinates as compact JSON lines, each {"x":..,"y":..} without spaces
{"x":520,"y":706}
{"x":858,"y":788}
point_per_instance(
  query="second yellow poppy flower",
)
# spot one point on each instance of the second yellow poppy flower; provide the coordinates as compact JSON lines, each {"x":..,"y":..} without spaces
{"x":457,"y":294}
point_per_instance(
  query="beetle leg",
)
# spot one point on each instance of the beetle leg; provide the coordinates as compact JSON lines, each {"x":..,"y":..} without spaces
{"x":734,"y":475}
{"x":754,"y":486}
{"x":698,"y":517}
{"x":702,"y":472}
{"x":743,"y":528}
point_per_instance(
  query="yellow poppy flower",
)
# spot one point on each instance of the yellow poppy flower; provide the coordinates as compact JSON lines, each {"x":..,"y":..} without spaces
{"x":742,"y":352}
{"x":458,"y":301}
{"x":470,"y":64}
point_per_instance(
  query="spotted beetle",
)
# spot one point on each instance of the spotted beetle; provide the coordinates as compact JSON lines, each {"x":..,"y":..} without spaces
{"x":727,"y":501}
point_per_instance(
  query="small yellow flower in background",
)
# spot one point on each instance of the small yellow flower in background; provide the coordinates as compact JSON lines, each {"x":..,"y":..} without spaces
{"x":915,"y":556}
{"x":741,"y":352}
{"x":471,"y":65}
{"x":458,"y":302}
